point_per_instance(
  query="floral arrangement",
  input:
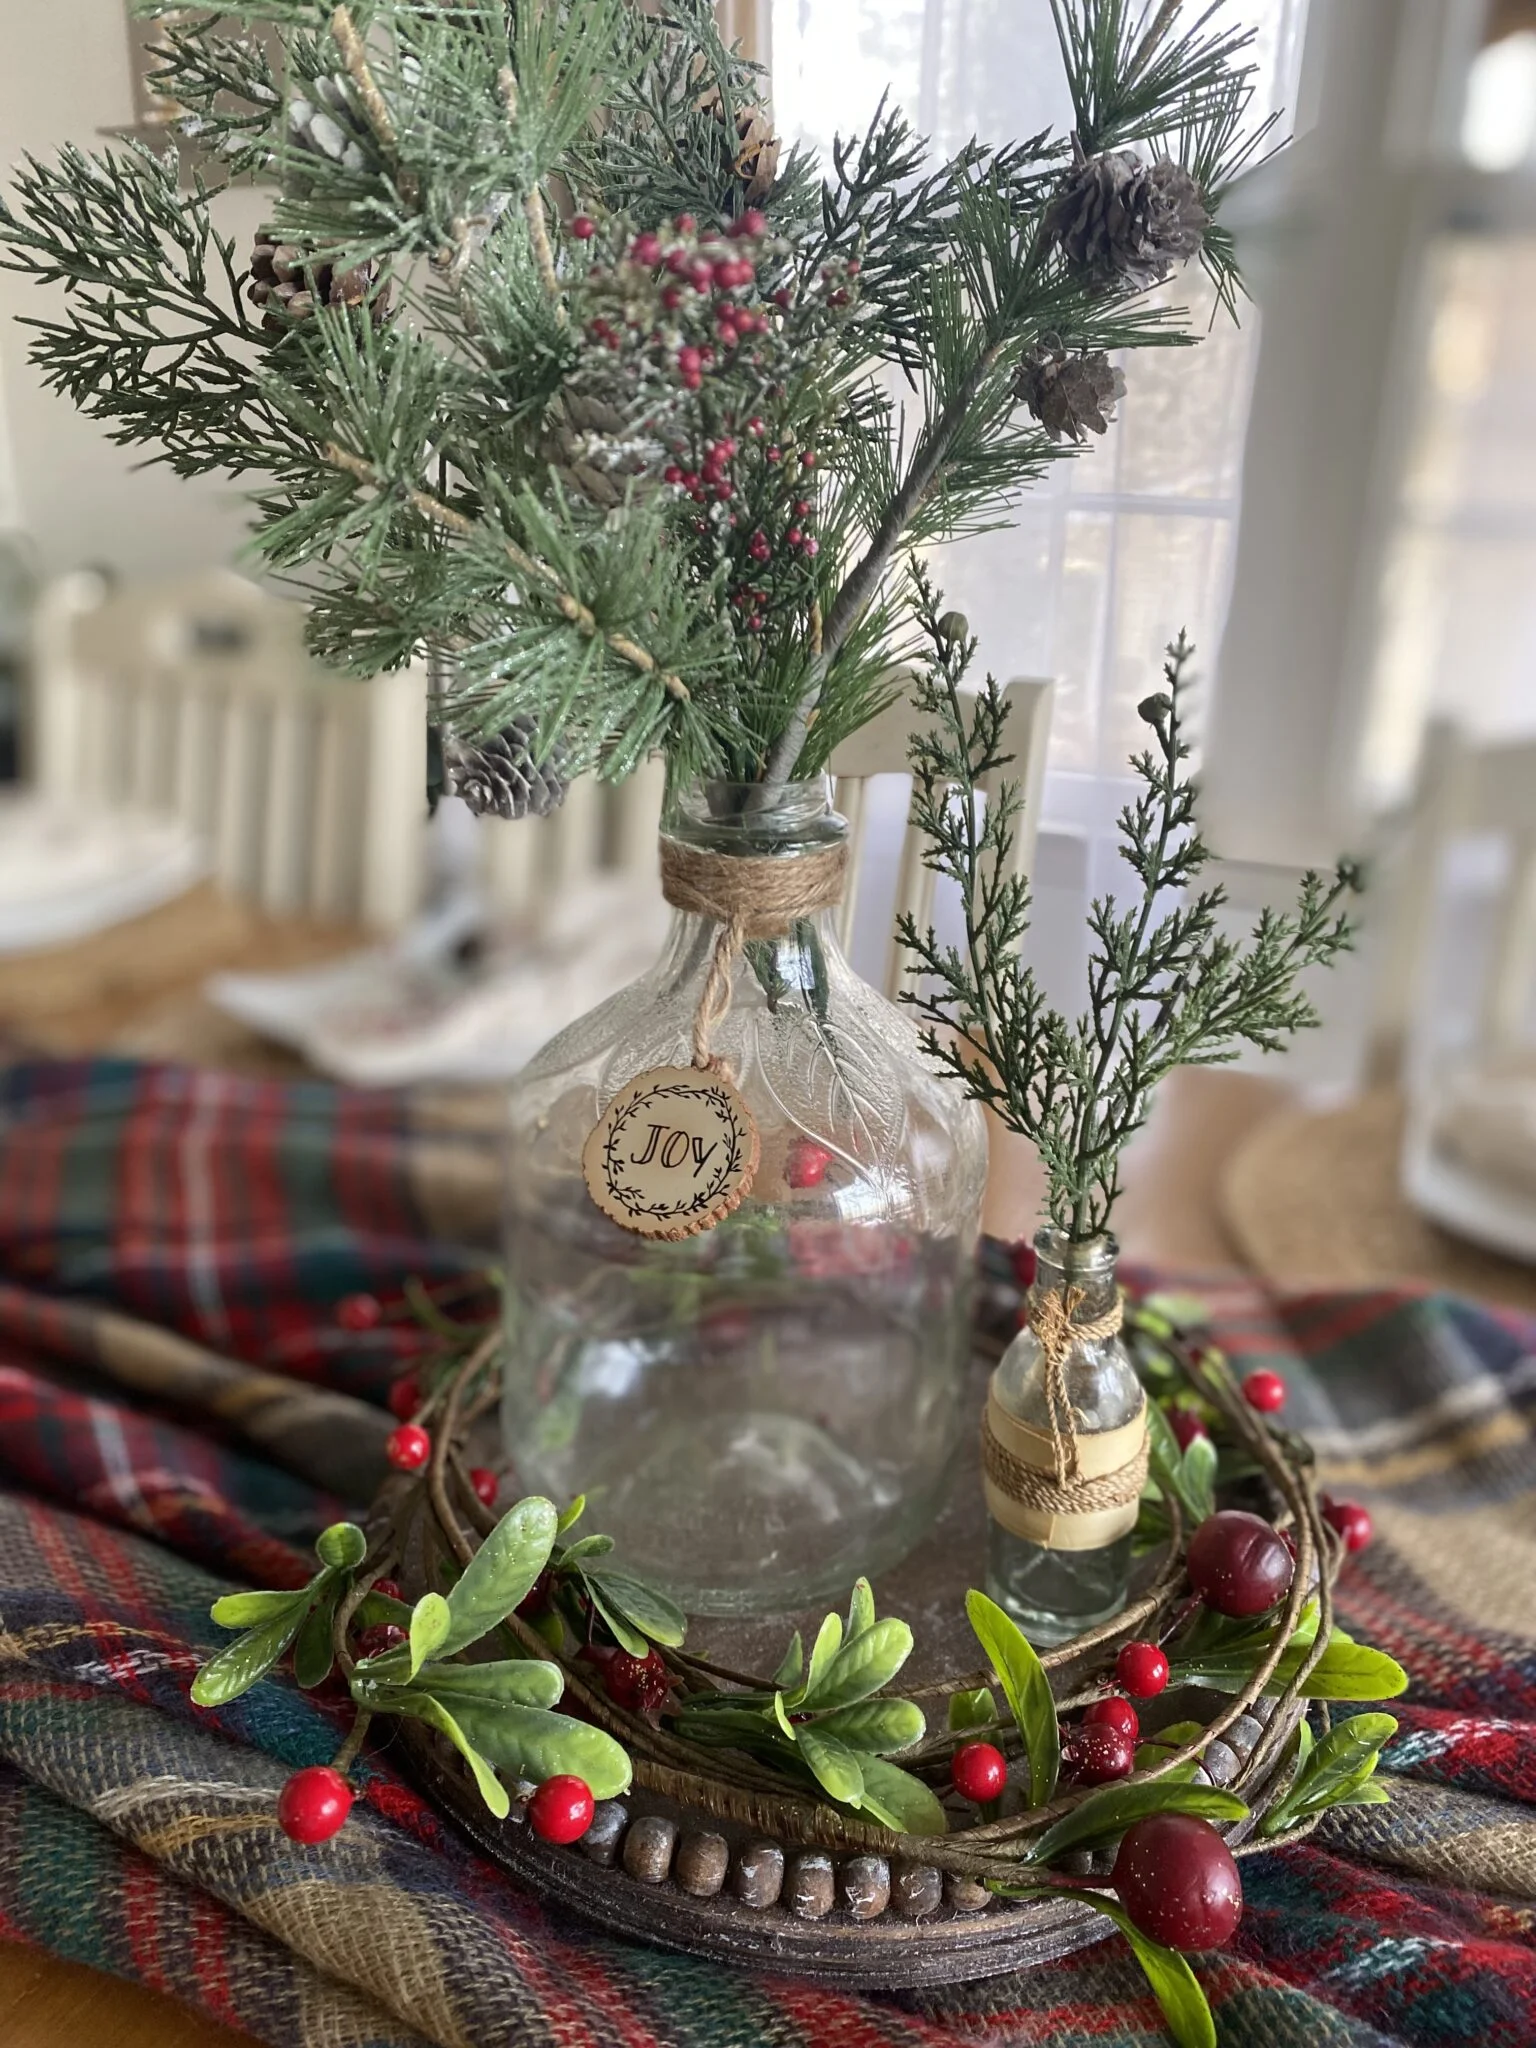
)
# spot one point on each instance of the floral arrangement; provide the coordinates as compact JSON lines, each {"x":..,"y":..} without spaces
{"x":552,"y":362}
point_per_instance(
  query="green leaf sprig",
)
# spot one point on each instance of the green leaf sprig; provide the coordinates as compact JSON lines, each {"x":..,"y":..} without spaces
{"x":823,"y":1722}
{"x":1338,"y":1771}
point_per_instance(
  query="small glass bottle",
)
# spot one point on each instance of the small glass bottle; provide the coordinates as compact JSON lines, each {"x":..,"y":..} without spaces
{"x":1081,"y":1577}
{"x":764,"y":1410}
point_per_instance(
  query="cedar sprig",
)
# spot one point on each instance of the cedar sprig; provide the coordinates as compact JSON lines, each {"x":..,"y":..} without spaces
{"x":1167,"y":986}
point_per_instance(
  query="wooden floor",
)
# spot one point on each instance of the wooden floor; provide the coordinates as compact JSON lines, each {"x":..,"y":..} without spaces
{"x":1168,"y":1215}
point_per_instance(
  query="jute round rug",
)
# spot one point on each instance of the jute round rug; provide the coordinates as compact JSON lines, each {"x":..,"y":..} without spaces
{"x":1313,"y":1200}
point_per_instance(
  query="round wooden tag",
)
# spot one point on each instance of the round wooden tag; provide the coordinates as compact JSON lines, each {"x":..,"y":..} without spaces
{"x":673,"y":1153}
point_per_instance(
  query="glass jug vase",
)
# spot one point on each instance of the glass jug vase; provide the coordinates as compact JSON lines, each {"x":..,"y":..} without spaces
{"x":761,"y":1411}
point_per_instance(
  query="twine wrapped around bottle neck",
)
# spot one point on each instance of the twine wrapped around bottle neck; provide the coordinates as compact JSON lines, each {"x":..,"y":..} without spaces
{"x":1053,"y":1318}
{"x":750,"y":896}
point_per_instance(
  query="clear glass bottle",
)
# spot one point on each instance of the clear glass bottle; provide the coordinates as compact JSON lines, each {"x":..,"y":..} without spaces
{"x":760,"y":1412}
{"x":1055,"y":1593}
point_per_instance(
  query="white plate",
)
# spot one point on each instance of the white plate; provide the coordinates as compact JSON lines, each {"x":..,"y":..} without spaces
{"x":1450,"y":1193}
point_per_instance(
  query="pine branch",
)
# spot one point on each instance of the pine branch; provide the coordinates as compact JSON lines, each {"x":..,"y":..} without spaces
{"x":570,"y":607}
{"x":1165,"y":987}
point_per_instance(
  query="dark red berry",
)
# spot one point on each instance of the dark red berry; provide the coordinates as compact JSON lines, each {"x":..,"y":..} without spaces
{"x":583,"y":227}
{"x":979,"y":1771}
{"x":1095,"y":1755}
{"x":1114,"y":1712}
{"x":561,"y":1810}
{"x":359,"y":1311}
{"x":685,"y":224}
{"x":1142,"y":1669}
{"x":645,"y":249}
{"x":812,"y":547}
{"x":381,"y":1638}
{"x":749,"y":223}
{"x":1238,"y":1564}
{"x":408,"y":1447}
{"x":405,"y":1397}
{"x":1178,"y":1882}
{"x":536,"y":1599}
{"x":807,"y":1163}
{"x":1186,"y":1426}
{"x":390,"y":1588}
{"x":485,"y":1484}
{"x":638,"y":1684}
{"x":313,"y":1804}
{"x":1264,"y":1391}
{"x":1352,"y":1521}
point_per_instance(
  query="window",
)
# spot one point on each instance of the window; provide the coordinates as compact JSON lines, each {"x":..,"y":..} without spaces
{"x":1116,"y":550}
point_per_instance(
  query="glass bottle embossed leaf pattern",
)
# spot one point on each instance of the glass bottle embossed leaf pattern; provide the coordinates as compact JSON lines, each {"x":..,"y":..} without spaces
{"x":766,"y":1409}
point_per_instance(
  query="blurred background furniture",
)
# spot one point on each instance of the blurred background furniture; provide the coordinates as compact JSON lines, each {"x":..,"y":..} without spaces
{"x":1430,"y":1173}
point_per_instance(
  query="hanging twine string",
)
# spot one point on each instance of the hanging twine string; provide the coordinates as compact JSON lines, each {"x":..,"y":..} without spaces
{"x":1063,"y":1490}
{"x":749,"y":896}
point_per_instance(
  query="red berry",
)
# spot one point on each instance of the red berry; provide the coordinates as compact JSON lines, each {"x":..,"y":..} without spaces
{"x":807,"y":1163}
{"x":749,"y":223}
{"x":1186,"y":1426}
{"x":313,"y":1804}
{"x":485,"y":1484}
{"x":583,"y":227}
{"x":1238,"y":1564}
{"x":390,"y":1588}
{"x":784,"y":297}
{"x":536,"y":1599}
{"x":808,"y":459}
{"x":561,"y":1810}
{"x":645,"y":249}
{"x":756,"y":428}
{"x":689,"y":360}
{"x":1178,"y":1882}
{"x":1352,"y":1521}
{"x":671,"y":298}
{"x":638,"y":1684}
{"x":359,"y":1311}
{"x":1142,"y":1669}
{"x":1095,"y":1754}
{"x":381,"y":1638}
{"x":1114,"y":1712}
{"x":979,"y":1771}
{"x":772,"y":454}
{"x":1024,"y":1262}
{"x":812,"y":547}
{"x":1264,"y":1391}
{"x":408,"y":1447}
{"x":685,"y":224}
{"x":672,"y":474}
{"x":404,"y":1397}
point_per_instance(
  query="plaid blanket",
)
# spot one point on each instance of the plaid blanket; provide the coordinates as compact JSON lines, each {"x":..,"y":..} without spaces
{"x":138,"y":1834}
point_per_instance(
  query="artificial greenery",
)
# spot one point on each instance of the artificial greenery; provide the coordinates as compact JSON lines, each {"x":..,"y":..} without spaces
{"x":489,"y":423}
{"x":1166,"y":986}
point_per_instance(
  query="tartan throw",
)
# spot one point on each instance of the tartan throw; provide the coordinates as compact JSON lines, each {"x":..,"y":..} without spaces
{"x":138,"y":1834}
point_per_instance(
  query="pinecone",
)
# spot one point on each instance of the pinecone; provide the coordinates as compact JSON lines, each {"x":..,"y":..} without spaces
{"x":321,"y":121}
{"x":499,"y":777}
{"x":588,"y":442}
{"x":756,"y":161}
{"x":1069,"y":394}
{"x":1123,"y":221}
{"x":287,"y":278}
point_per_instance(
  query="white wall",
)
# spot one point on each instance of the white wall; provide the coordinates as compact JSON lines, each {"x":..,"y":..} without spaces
{"x":64,"y":76}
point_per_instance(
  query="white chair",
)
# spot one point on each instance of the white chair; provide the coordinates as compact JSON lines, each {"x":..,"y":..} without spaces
{"x":195,"y":698}
{"x":1457,"y":1036}
{"x":880,"y":748}
{"x":1463,"y":789}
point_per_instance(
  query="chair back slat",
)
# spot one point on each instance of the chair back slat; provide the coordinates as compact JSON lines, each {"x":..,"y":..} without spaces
{"x":881,"y":748}
{"x":196,"y":697}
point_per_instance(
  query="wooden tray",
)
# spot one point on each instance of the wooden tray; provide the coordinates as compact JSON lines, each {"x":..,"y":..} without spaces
{"x":965,"y":1936}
